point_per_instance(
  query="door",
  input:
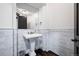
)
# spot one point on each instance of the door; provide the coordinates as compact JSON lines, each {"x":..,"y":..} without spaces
{"x":76,"y":29}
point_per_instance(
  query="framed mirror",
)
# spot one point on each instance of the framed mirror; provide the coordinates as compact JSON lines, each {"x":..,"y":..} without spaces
{"x":27,"y":16}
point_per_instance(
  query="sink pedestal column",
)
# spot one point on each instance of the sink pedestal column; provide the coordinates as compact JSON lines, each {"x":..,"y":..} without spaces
{"x":32,"y":47}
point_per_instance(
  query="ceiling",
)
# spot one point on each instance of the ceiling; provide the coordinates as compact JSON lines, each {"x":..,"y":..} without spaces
{"x":36,"y":5}
{"x":32,"y":7}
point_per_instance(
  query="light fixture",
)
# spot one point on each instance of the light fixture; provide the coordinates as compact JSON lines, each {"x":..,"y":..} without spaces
{"x":23,"y":11}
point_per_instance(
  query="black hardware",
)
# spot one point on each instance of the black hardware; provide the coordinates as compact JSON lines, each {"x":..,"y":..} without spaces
{"x":75,"y":40}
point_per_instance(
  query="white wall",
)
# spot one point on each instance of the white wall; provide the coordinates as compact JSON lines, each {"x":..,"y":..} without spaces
{"x":57,"y":27}
{"x":8,"y":15}
{"x":5,"y":15}
{"x":8,"y":22}
{"x":6,"y":32}
{"x":32,"y":21}
{"x":57,"y":16}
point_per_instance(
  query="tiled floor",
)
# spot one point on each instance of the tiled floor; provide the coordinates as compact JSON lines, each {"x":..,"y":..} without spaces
{"x":40,"y":52}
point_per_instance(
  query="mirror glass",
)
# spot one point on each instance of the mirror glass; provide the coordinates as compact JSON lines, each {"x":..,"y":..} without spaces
{"x":27,"y":16}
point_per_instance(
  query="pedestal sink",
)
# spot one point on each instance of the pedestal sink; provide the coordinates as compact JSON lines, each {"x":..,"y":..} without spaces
{"x":31,"y":39}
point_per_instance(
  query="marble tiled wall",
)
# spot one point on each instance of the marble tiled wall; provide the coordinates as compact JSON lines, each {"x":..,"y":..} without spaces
{"x":58,"y":41}
{"x":6,"y":42}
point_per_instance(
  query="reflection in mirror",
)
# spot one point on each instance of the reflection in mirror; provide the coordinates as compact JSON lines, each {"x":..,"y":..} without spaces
{"x":22,"y":21}
{"x":27,"y":16}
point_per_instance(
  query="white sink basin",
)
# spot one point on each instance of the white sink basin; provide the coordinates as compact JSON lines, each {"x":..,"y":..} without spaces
{"x":30,"y":36}
{"x":31,"y":40}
